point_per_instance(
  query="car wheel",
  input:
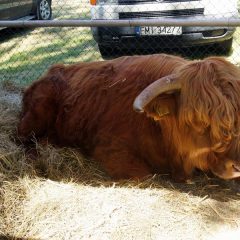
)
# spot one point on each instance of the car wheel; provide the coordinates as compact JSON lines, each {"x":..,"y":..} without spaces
{"x":226,"y":46}
{"x":44,"y":10}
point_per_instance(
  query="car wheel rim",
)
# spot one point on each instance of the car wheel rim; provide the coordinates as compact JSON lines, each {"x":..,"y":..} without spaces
{"x":44,"y":9}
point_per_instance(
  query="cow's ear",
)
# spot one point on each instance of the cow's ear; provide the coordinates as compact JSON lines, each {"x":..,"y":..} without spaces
{"x":161,"y":106}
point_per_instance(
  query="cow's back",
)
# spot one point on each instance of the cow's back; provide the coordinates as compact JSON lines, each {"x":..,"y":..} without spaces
{"x":97,"y":106}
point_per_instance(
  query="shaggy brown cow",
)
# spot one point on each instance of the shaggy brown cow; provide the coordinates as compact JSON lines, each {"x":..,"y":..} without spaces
{"x":190,"y":114}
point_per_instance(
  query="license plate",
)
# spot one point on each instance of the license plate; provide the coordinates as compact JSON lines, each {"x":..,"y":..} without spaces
{"x":159,"y":30}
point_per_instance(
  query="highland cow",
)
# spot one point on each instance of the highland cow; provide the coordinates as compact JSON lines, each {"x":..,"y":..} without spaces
{"x":141,"y":115}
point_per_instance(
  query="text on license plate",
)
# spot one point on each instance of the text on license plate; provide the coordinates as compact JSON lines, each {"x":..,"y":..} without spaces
{"x":159,"y":30}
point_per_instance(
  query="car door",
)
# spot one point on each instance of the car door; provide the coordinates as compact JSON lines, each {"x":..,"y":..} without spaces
{"x":21,"y":8}
{"x":5,"y":6}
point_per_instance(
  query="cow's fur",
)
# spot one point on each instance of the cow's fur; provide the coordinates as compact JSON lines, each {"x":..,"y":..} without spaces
{"x":90,"y":106}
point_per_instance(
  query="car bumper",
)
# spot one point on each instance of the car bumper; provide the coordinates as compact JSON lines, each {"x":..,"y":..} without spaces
{"x":191,"y":36}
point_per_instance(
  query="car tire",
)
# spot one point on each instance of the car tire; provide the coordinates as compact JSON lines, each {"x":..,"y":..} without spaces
{"x":225,"y":46}
{"x":44,"y":10}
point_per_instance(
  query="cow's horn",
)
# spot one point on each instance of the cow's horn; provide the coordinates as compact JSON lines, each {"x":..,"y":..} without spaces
{"x":163,"y":85}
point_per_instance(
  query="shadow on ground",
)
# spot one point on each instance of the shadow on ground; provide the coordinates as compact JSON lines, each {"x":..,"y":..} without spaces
{"x":8,"y":237}
{"x":196,"y":52}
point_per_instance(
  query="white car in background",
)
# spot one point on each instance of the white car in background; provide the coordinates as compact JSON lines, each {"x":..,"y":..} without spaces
{"x":110,"y":38}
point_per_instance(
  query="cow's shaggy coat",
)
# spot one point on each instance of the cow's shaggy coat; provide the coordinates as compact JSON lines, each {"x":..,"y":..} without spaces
{"x":90,"y":106}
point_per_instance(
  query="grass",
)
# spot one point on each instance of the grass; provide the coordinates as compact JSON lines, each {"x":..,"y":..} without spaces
{"x":36,"y":50}
{"x":26,"y":53}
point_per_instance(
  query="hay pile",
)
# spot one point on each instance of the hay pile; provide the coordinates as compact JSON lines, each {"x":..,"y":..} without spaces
{"x":61,"y":195}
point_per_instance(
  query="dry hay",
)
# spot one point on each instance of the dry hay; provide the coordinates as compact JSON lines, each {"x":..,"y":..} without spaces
{"x":61,"y":195}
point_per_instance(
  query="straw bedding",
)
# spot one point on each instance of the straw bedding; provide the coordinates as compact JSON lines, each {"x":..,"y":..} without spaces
{"x":59,"y":194}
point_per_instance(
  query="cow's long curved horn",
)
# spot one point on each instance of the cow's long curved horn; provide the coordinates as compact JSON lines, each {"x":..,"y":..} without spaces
{"x":163,"y":85}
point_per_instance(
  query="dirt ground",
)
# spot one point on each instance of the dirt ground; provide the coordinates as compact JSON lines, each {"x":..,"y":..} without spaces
{"x":60,"y":195}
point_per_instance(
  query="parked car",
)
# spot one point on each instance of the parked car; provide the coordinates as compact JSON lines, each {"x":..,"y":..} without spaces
{"x":25,"y":10}
{"x":109,"y":38}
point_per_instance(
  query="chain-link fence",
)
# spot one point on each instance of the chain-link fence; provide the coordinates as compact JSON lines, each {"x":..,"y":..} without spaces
{"x":25,"y":53}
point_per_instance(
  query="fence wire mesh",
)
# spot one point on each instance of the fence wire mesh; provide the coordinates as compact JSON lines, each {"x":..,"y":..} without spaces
{"x":25,"y":53}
